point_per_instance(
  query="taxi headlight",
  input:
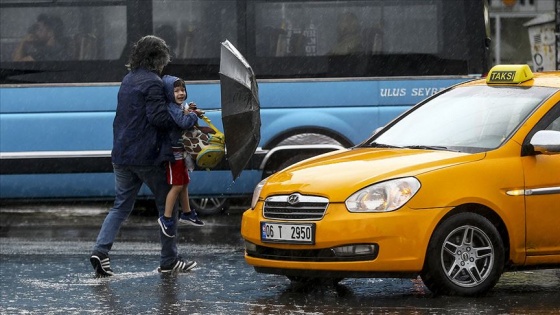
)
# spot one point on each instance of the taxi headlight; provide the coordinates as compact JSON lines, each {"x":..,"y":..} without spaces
{"x":257,"y":192}
{"x":383,"y":197}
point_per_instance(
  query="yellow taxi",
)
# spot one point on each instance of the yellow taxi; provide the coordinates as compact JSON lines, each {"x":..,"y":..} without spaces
{"x":459,"y":189}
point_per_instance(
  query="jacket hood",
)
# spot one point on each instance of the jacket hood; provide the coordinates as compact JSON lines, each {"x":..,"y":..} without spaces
{"x":168,"y":81}
{"x":343,"y":172}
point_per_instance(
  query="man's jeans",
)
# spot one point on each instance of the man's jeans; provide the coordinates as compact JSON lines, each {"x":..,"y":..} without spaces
{"x":128,"y":180}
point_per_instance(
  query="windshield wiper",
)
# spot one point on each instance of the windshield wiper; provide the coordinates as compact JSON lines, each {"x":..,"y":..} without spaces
{"x":382,"y":145}
{"x":414,"y":147}
{"x":426,"y":147}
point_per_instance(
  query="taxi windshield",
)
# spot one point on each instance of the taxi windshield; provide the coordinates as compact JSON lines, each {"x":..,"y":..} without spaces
{"x":466,"y":119}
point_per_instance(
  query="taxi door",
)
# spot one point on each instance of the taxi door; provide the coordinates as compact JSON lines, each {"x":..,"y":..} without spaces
{"x":542,"y":198}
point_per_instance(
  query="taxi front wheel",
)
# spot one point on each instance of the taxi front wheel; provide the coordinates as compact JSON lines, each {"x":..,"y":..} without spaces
{"x":465,"y":256}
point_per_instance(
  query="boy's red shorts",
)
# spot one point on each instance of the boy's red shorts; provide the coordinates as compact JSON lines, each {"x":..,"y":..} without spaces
{"x":177,"y":173}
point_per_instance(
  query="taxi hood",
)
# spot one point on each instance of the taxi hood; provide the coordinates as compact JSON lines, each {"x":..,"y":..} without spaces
{"x":339,"y":174}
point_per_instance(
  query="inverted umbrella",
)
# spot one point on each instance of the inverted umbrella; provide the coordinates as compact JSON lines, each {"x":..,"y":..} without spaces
{"x":241,"y":116}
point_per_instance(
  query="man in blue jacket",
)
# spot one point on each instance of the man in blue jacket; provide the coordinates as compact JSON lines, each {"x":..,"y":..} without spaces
{"x":140,"y":147}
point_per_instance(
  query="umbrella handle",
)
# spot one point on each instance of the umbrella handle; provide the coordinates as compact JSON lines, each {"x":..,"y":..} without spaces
{"x":207,"y":120}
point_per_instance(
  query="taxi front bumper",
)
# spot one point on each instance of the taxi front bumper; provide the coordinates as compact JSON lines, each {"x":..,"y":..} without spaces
{"x":398,"y":239}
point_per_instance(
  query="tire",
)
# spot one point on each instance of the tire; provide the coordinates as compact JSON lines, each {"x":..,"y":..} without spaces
{"x":465,"y":256}
{"x":209,"y":206}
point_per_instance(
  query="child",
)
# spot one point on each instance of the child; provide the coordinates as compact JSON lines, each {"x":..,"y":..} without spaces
{"x":178,"y":171}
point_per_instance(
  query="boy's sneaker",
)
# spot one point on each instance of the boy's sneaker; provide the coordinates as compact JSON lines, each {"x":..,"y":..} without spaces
{"x":178,"y":266}
{"x":167,"y":226}
{"x":101,"y":264}
{"x":190,"y":218}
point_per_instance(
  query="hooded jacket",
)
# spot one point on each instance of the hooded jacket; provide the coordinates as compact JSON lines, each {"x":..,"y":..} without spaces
{"x":183,"y":121}
{"x":142,"y":121}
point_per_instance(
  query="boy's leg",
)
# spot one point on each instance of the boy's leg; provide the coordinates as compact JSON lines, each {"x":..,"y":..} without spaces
{"x":174,"y":175}
{"x":186,"y":206}
{"x":168,"y":221}
{"x":185,"y":199}
{"x":171,"y":199}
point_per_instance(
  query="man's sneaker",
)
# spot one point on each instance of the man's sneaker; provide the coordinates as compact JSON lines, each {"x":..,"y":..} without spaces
{"x":190,"y":218}
{"x":101,"y":264}
{"x":167,"y":226}
{"x":178,"y":266}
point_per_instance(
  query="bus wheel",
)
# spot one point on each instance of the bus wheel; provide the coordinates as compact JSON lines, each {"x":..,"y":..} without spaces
{"x":465,"y":256}
{"x":209,"y":206}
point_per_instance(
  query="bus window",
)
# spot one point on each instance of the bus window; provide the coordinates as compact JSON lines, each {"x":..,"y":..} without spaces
{"x":82,"y":32}
{"x":361,"y":38}
{"x":193,"y":28}
{"x":63,"y":41}
{"x":306,"y":28}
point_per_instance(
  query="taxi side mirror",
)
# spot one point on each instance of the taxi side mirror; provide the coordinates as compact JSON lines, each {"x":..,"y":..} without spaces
{"x":546,"y":142}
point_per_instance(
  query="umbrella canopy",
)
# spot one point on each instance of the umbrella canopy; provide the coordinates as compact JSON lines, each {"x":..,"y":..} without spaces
{"x":241,"y":116}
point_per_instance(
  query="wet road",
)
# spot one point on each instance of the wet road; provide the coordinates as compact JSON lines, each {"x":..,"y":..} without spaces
{"x":44,"y":260}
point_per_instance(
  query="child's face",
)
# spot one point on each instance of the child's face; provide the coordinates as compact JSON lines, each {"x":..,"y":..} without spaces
{"x":180,"y":94}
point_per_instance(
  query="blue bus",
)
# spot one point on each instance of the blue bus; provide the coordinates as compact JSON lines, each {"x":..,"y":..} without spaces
{"x":329,"y":74}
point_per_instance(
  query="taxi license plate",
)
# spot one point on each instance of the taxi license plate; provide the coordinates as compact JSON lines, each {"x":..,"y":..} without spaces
{"x":298,"y":233}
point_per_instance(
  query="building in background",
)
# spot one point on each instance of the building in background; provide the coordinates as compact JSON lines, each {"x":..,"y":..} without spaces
{"x":542,"y":38}
{"x":510,"y":22}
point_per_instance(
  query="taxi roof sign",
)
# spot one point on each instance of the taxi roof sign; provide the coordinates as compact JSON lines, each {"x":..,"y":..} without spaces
{"x":504,"y":74}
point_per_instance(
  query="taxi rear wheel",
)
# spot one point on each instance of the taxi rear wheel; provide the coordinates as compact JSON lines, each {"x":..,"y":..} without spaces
{"x":465,"y":256}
